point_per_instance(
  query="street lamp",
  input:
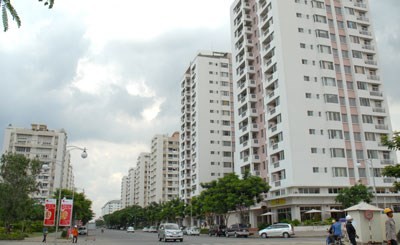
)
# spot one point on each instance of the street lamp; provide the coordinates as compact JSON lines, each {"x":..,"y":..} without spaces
{"x":83,"y":155}
{"x":367,"y":166}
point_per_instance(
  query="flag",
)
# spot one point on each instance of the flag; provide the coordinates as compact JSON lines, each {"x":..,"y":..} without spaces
{"x":66,"y":212}
{"x":49,"y":212}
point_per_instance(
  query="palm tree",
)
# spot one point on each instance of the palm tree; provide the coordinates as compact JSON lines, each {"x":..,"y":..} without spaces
{"x":6,"y":6}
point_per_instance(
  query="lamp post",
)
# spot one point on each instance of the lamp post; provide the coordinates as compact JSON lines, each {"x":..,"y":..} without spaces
{"x":83,"y":155}
{"x":368,"y":164}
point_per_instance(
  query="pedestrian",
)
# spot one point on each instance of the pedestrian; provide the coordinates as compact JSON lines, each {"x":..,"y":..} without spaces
{"x":390,"y":227}
{"x":75,"y":234}
{"x":45,"y":232}
{"x":351,"y":231}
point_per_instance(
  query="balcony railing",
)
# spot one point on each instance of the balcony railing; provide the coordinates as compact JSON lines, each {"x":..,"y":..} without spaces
{"x":381,"y":126}
{"x":371,"y":62}
{"x":379,"y":109}
{"x":373,"y":77}
{"x":376,"y":93}
{"x":369,"y":47}
{"x":387,"y":161}
{"x":366,"y":33}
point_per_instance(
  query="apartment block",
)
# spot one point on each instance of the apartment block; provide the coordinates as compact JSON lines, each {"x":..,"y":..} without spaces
{"x":207,"y":125}
{"x":124,"y":192}
{"x":49,"y":146}
{"x":164,"y":168}
{"x":141,"y":180}
{"x":110,"y":207}
{"x":310,"y":104}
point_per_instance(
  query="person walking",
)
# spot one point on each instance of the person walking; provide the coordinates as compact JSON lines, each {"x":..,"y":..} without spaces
{"x":351,"y":231}
{"x":45,"y":232}
{"x":390,"y":227}
{"x":75,"y":234}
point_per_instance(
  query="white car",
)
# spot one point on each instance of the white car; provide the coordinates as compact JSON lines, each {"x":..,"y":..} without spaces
{"x":193,"y":231}
{"x":130,"y":229}
{"x":145,"y":229}
{"x":279,"y":229}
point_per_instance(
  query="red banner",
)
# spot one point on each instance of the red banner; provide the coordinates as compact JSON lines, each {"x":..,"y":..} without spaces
{"x":66,"y":212}
{"x":49,"y":212}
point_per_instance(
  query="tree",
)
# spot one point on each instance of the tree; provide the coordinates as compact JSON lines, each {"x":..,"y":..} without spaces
{"x":231,"y":193}
{"x":18,"y":175}
{"x":350,"y":196}
{"x":8,"y":8}
{"x":82,"y":207}
{"x":392,"y":170}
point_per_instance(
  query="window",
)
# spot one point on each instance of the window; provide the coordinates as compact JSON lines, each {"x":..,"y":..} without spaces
{"x":304,"y":61}
{"x":340,"y":24}
{"x":335,"y":134}
{"x":351,"y":25}
{"x":308,"y":95}
{"x":369,"y":136}
{"x":352,"y":102}
{"x":324,"y":49}
{"x":357,"y":54}
{"x":331,"y":98}
{"x":337,"y":152}
{"x":362,"y":85}
{"x":339,"y":172}
{"x":320,"y":19}
{"x":315,"y":170}
{"x":364,"y":102}
{"x":301,"y":30}
{"x":298,"y":15}
{"x":311,"y":131}
{"x":310,"y":113}
{"x":313,"y":150}
{"x":302,"y":45}
{"x":306,"y":78}
{"x":329,"y":81}
{"x":326,"y":65}
{"x":357,"y":136}
{"x":347,"y":70}
{"x":354,"y":119}
{"x":367,"y":119}
{"x":224,"y":74}
{"x":333,"y":116}
{"x":224,"y":65}
{"x":322,"y":33}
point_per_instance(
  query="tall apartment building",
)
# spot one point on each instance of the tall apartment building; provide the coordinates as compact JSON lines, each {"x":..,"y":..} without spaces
{"x":141,"y":180}
{"x":310,"y":106}
{"x":124,"y":192}
{"x":164,"y":168}
{"x":49,"y":146}
{"x":131,"y":187}
{"x":110,"y":207}
{"x":207,"y":128}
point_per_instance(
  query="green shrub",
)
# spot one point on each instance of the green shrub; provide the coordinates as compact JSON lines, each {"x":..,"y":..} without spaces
{"x":12,"y":236}
{"x":64,"y":234}
{"x":262,"y":226}
{"x":204,"y":231}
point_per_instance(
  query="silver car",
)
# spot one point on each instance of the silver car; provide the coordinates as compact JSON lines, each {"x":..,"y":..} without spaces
{"x":279,"y":229}
{"x":169,"y":231}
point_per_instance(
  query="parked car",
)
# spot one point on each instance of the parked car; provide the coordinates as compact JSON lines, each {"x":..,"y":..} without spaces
{"x":217,"y":230}
{"x":145,"y":229}
{"x":152,"y":229}
{"x":193,"y":231}
{"x":237,"y":230}
{"x":82,"y":230}
{"x":130,"y":229}
{"x":170,"y":231}
{"x":279,"y":229}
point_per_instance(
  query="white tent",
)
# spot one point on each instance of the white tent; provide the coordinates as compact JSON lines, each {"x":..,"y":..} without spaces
{"x":363,"y":206}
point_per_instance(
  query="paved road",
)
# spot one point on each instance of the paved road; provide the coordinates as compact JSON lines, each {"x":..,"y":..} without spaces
{"x":111,"y":237}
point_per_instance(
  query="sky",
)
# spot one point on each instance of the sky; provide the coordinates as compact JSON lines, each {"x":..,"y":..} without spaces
{"x":109,"y":72}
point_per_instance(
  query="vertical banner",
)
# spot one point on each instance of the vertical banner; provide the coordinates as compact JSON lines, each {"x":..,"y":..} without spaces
{"x":49,"y":212}
{"x":66,"y":212}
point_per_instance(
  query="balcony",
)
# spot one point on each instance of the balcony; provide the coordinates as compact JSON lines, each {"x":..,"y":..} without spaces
{"x":360,"y":5}
{"x":368,"y":47}
{"x":366,"y":33}
{"x":371,"y":62}
{"x":381,"y":126}
{"x":376,"y":93}
{"x":379,"y":109}
{"x":275,"y":164}
{"x":277,"y":183}
{"x":362,"y":18}
{"x":389,"y":180}
{"x":373,"y":77}
{"x":272,"y":111}
{"x":387,"y":161}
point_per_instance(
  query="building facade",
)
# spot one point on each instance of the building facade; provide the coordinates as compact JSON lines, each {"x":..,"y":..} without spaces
{"x":124,"y":192}
{"x":49,"y":146}
{"x":310,"y":107}
{"x":207,"y":128}
{"x":110,"y":207}
{"x":164,"y":168}
{"x":141,"y":180}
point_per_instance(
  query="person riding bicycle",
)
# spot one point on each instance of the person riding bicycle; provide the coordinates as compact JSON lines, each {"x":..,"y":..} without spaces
{"x":336,"y":232}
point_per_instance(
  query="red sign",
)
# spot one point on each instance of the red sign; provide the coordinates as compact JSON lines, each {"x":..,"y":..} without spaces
{"x":49,"y":212}
{"x":66,"y":212}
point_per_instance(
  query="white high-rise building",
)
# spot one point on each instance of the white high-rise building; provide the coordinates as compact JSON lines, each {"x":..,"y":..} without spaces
{"x":110,"y":207}
{"x":124,"y":192}
{"x":49,"y":146}
{"x":207,"y":128}
{"x":164,"y":168}
{"x":131,"y":187}
{"x":310,"y":107}
{"x":141,"y":180}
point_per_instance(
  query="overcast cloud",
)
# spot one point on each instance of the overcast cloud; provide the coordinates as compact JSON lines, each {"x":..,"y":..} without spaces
{"x":109,"y":74}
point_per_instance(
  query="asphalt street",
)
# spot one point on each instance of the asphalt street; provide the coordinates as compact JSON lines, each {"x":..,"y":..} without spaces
{"x":111,"y":237}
